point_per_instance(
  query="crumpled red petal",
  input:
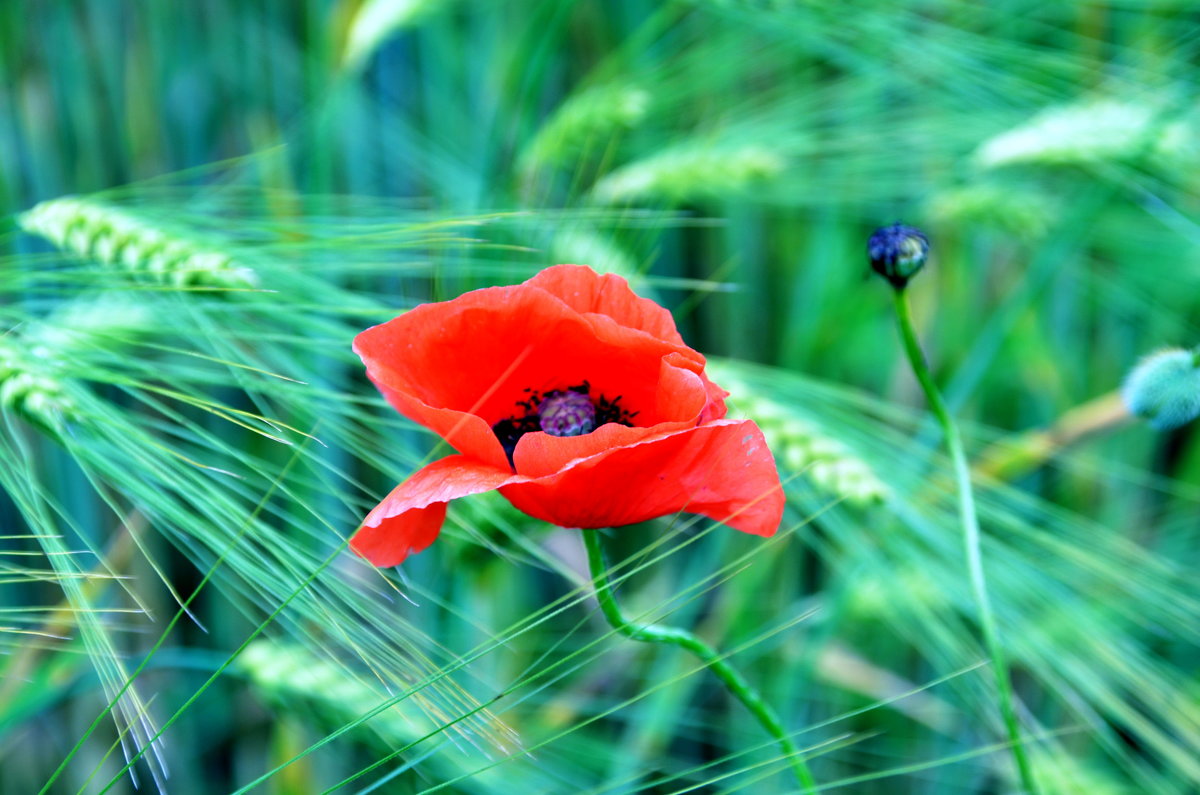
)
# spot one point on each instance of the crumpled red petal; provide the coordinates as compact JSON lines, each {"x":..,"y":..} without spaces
{"x":411,"y":516}
{"x":723,"y":470}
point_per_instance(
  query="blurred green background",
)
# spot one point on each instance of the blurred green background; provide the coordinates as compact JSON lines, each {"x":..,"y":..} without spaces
{"x":203,"y":202}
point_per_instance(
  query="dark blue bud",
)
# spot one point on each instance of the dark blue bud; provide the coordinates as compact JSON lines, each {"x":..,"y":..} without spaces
{"x":897,"y":252}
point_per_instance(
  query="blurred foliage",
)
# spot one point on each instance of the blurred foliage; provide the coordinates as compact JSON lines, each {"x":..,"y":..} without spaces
{"x":203,"y":203}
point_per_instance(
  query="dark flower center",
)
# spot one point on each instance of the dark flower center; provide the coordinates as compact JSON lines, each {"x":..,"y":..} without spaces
{"x":560,"y":412}
{"x":567,"y":414}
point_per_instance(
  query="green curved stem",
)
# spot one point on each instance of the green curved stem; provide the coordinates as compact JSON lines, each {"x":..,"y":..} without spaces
{"x":970,"y":526}
{"x":656,"y":633}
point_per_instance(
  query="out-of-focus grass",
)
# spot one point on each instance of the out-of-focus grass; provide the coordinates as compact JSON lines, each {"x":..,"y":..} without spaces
{"x":187,"y":440}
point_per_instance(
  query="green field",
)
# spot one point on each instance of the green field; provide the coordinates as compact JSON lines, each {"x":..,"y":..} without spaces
{"x":202,"y":203}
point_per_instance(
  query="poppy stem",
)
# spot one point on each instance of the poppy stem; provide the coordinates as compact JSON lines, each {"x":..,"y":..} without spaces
{"x":971,"y":534}
{"x":656,"y":633}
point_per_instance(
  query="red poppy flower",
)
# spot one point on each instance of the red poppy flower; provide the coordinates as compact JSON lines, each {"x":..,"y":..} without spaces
{"x":575,"y":398}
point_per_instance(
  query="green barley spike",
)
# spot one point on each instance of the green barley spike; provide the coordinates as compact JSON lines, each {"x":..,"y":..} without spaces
{"x":38,"y":362}
{"x":91,"y":229}
{"x":802,"y":447}
{"x":1094,"y":131}
{"x":30,"y":387}
{"x":289,"y":676}
{"x":690,"y":171}
{"x":1021,"y":213}
{"x":586,"y":122}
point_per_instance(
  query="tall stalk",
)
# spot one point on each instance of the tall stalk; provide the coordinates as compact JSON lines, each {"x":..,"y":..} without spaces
{"x":655,"y":633}
{"x":970,"y":528}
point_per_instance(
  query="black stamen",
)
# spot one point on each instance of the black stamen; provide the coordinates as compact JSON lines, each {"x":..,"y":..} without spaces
{"x":610,"y":411}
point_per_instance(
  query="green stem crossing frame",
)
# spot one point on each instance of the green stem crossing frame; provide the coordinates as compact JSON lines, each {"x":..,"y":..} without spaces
{"x":970,"y":527}
{"x":656,"y":633}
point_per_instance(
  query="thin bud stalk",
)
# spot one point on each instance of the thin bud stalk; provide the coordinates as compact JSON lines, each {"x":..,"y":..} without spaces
{"x":971,"y":536}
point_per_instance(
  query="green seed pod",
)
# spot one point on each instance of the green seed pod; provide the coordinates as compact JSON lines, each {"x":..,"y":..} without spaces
{"x":897,"y":252}
{"x":1164,"y":388}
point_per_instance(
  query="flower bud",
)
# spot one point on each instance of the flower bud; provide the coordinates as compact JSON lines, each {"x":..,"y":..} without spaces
{"x":897,"y":252}
{"x":1164,"y":388}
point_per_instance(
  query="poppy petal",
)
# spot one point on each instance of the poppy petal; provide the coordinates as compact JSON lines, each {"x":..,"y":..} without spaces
{"x":714,"y":404}
{"x":479,"y":355}
{"x":584,"y":290}
{"x":539,"y":455}
{"x":722,"y":470}
{"x":463,"y":431}
{"x":411,"y":516}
